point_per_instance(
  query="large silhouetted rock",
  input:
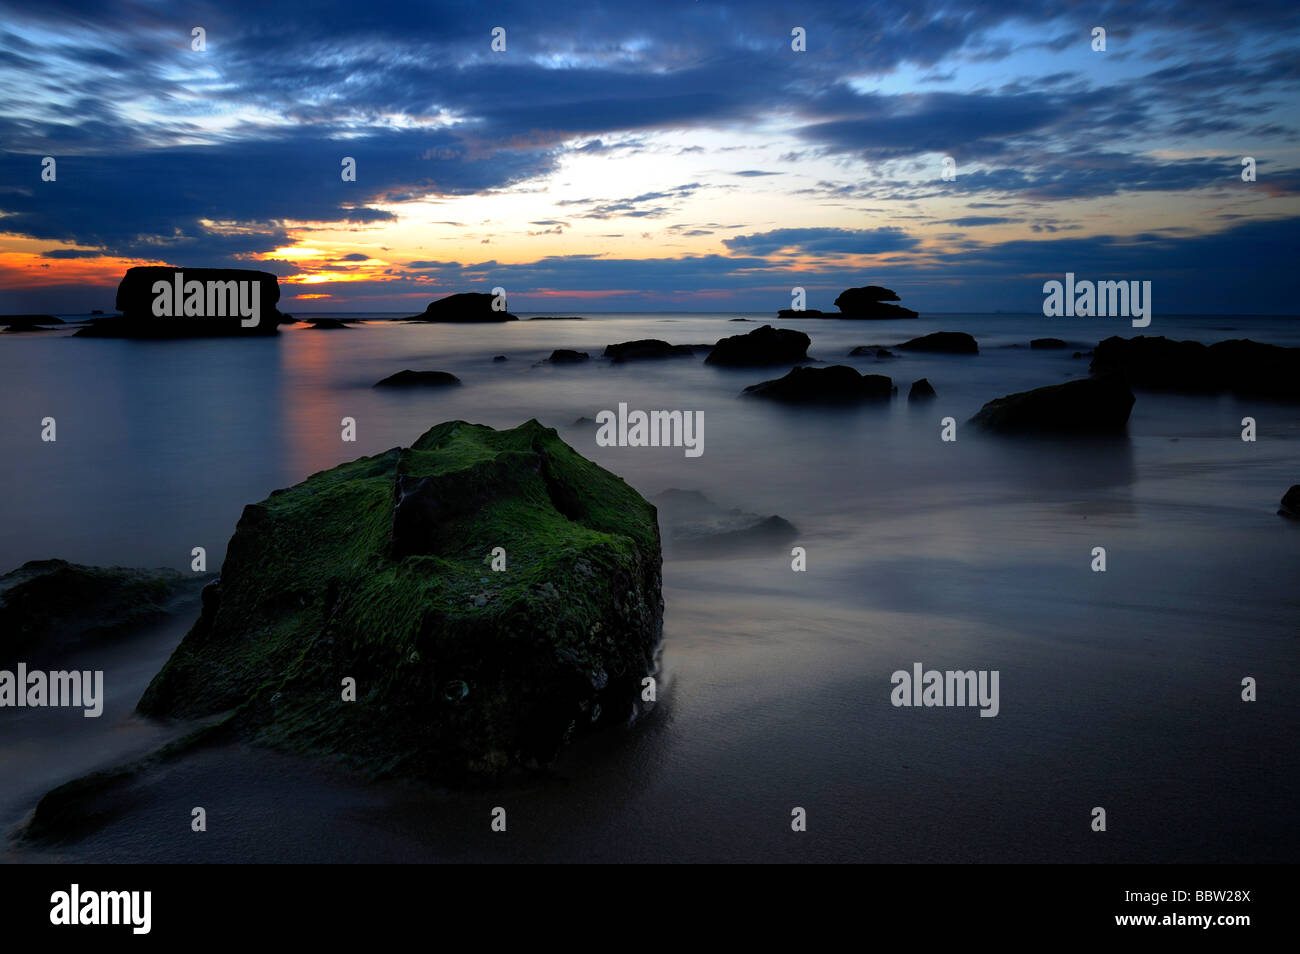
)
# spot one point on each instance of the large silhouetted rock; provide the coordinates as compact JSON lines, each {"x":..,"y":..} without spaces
{"x":762,"y":346}
{"x":462,"y":307}
{"x":646,"y":348}
{"x":159,"y":301}
{"x":1239,"y":365}
{"x":836,"y":384}
{"x":1098,"y":405}
{"x":921,"y":390}
{"x":870,"y":302}
{"x":943,"y":342}
{"x":385,"y":570}
{"x":1291,"y":503}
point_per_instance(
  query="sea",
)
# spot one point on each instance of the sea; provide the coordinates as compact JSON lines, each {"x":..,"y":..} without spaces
{"x":1120,"y":689}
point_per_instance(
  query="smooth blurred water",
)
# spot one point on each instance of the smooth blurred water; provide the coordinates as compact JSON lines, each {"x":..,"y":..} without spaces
{"x":1119,"y":689}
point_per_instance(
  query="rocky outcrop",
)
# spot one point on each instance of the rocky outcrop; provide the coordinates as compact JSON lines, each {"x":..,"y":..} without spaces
{"x":419,"y":379}
{"x":565,"y":356}
{"x":1291,"y":503}
{"x":1239,"y":366}
{"x":50,"y":606}
{"x":159,"y":301}
{"x":836,"y":384}
{"x":464,"y":307}
{"x":869,"y":351}
{"x":1047,"y":344}
{"x":492,"y":593}
{"x":921,"y":390}
{"x":762,"y":346}
{"x":871,"y":302}
{"x":17,"y":323}
{"x":1098,"y":405}
{"x":943,"y":342}
{"x":646,"y":348}
{"x":326,"y":324}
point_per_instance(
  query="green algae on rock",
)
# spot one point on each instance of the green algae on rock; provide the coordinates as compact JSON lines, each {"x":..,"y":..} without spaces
{"x":382,"y":570}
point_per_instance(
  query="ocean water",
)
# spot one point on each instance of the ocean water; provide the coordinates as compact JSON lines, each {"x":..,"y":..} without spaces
{"x":1119,"y":690}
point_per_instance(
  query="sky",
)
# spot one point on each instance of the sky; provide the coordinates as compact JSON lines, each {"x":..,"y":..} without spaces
{"x":679,"y":155}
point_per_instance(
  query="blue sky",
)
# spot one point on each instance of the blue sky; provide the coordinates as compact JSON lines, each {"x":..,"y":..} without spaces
{"x":679,"y":155}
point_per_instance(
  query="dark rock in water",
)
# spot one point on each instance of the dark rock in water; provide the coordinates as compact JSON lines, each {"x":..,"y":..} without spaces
{"x":1239,"y":366}
{"x":565,"y":356}
{"x":462,"y":307}
{"x":51,"y":605}
{"x":646,"y":348}
{"x":326,"y":323}
{"x":1098,"y":405}
{"x":1291,"y":503}
{"x":870,"y":302}
{"x":29,"y":322}
{"x":762,"y":346}
{"x":697,"y":527}
{"x":921,"y":390}
{"x":219,"y":299}
{"x":500,"y":357}
{"x":380,"y":570}
{"x":788,"y":313}
{"x":582,"y":420}
{"x":1047,"y":343}
{"x":835,"y":384}
{"x":96,"y":311}
{"x":740,"y":319}
{"x":410,"y":379}
{"x":556,"y":318}
{"x":945,"y":342}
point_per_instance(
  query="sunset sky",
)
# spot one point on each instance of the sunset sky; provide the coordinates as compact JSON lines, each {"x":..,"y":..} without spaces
{"x":675,"y":155}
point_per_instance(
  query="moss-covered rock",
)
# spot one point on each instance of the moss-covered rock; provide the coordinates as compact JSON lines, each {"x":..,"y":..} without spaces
{"x":50,"y":606}
{"x":381,"y":570}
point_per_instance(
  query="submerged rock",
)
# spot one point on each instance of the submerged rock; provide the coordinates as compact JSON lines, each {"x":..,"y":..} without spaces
{"x":381,"y":570}
{"x":867,"y":351}
{"x":647,"y":348}
{"x":921,"y":390}
{"x":944,"y":342}
{"x":762,"y":346}
{"x":697,"y":527}
{"x":326,"y":324}
{"x":788,"y":313}
{"x":1239,"y":365}
{"x":835,"y":384}
{"x":220,"y":295}
{"x":1047,"y":344}
{"x":462,"y":307}
{"x":565,"y":356}
{"x":53,"y":605}
{"x":29,"y":322}
{"x":419,"y":379}
{"x":1098,"y":405}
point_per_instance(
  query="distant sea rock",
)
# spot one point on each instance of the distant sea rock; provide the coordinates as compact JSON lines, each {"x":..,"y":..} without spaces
{"x":500,"y":357}
{"x":1047,"y":344}
{"x":921,"y":390}
{"x":944,"y":342}
{"x":136,"y":297}
{"x":868,"y":303}
{"x":1291,"y":503}
{"x":16,"y":323}
{"x":1097,"y":405}
{"x":462,"y":307}
{"x":419,"y":379}
{"x":49,"y":606}
{"x":762,"y":346}
{"x":646,"y":348}
{"x":835,"y":384}
{"x":556,"y":318}
{"x":565,"y":356}
{"x":378,"y":570}
{"x":1240,"y":366}
{"x":326,"y":324}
